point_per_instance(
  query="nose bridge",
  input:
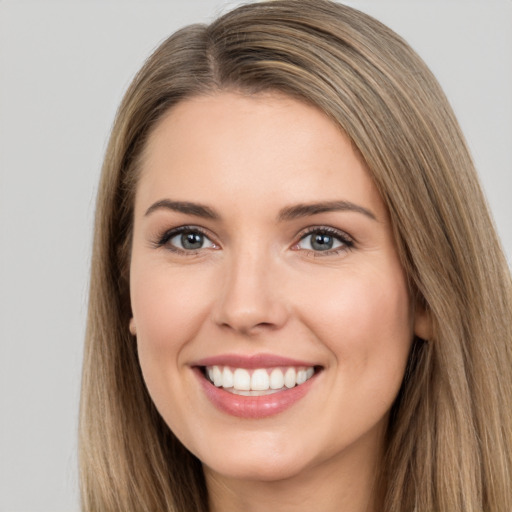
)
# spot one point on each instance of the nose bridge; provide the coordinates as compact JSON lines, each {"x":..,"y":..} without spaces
{"x":250,"y":299}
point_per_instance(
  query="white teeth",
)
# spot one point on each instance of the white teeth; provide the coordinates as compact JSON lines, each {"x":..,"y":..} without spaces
{"x":290,"y":378}
{"x":227,"y":378}
{"x":259,"y":381}
{"x":301,"y":377}
{"x":241,"y":379}
{"x":277,"y":379}
{"x":254,"y":393}
{"x":217,"y":376}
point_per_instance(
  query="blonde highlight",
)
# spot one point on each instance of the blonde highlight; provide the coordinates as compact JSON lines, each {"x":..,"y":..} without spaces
{"x":449,"y":445}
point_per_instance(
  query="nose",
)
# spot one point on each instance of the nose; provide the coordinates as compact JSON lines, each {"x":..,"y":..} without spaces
{"x":251,"y":298}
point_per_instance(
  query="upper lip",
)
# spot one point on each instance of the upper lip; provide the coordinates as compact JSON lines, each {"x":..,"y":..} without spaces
{"x":251,"y":361}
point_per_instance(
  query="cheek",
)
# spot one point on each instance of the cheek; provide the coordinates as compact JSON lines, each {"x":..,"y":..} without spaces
{"x":378,"y":315}
{"x":365,"y":320}
{"x":168,"y":307}
{"x":364,"y":302}
{"x":366,"y":326}
{"x":168,"y":310}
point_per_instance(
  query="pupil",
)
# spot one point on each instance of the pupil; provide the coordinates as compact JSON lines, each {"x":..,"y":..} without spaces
{"x":322,"y":242}
{"x":191,"y":240}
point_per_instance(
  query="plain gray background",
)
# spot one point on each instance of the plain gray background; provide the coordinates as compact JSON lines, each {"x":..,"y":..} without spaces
{"x":63,"y":69}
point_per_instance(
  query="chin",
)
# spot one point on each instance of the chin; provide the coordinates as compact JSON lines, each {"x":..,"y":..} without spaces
{"x":263,"y":465}
{"x":269,"y":472}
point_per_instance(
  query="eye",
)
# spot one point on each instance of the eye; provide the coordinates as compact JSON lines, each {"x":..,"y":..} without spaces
{"x":191,"y":241}
{"x":324,"y":240}
{"x":185,"y":239}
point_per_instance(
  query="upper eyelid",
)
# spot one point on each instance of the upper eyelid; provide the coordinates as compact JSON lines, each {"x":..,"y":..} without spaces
{"x":163,"y":237}
{"x":187,"y":227}
{"x":329,"y":229}
{"x":166,"y":235}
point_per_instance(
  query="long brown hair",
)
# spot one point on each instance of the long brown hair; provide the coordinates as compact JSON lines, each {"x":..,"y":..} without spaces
{"x":449,"y":445}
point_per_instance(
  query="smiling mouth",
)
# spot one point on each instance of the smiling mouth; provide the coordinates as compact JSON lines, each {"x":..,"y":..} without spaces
{"x":258,"y":381}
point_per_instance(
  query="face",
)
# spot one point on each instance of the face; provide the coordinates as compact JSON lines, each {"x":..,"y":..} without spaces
{"x":272,"y":316}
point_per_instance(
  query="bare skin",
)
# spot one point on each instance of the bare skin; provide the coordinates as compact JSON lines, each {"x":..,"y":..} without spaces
{"x":312,"y":490}
{"x":292,"y":255}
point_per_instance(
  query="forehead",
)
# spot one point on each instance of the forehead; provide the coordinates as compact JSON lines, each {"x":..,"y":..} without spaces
{"x":228,"y":147}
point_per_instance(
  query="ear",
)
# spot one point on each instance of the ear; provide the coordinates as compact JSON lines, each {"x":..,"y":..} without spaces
{"x":133,"y":329}
{"x":422,"y":322}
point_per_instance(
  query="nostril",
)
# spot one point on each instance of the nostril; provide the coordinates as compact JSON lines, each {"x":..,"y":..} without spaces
{"x":265,"y":325}
{"x":249,"y":329}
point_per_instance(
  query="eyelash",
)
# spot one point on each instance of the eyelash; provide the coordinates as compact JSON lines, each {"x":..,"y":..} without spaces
{"x":346,"y":241}
{"x":163,"y":240}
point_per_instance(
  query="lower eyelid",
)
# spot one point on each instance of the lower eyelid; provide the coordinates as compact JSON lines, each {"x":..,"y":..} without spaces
{"x":330,"y":252}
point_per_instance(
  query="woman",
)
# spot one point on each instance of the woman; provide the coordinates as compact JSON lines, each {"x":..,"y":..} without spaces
{"x":298,"y":298}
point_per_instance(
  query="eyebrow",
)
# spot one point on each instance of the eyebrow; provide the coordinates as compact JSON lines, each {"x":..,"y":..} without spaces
{"x":289,"y":213}
{"x":186,"y":207}
{"x":305,"y":210}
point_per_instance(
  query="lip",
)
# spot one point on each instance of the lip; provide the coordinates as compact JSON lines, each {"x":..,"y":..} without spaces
{"x":251,"y":362}
{"x":252,"y":407}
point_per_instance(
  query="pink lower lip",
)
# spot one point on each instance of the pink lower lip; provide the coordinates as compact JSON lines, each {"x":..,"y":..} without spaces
{"x":253,"y":407}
